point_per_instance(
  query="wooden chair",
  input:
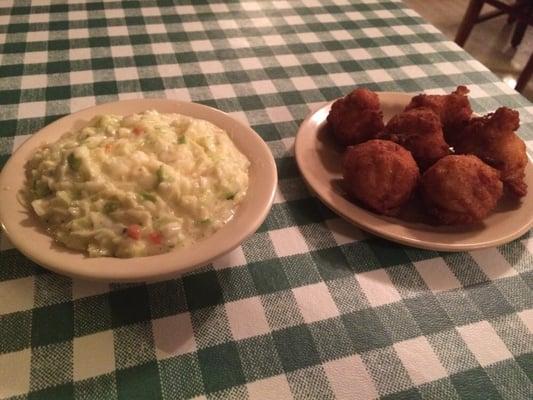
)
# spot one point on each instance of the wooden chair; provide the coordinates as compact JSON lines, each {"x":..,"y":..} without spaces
{"x":520,"y":12}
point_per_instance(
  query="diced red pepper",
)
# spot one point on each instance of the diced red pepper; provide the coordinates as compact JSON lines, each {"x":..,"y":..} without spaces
{"x":155,"y":237}
{"x":134,"y":231}
{"x":138,"y":130}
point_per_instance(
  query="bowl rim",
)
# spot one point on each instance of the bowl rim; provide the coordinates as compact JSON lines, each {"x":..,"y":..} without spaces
{"x":40,"y":247}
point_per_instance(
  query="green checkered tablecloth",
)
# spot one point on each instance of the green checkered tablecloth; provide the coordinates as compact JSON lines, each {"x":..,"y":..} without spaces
{"x":309,"y":307}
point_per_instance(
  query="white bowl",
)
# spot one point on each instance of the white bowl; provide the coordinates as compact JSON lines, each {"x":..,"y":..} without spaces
{"x":26,"y":233}
{"x":319,"y":159}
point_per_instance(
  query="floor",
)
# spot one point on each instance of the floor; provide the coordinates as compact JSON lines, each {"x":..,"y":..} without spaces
{"x":489,"y":41}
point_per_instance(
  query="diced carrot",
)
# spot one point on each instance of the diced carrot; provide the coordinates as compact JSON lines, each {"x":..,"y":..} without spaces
{"x":155,"y":237}
{"x":134,"y":231}
{"x":138,"y":130}
{"x":108,"y":147}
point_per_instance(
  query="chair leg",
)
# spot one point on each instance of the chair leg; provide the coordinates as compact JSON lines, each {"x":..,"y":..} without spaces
{"x":468,"y":22}
{"x":521,"y":25}
{"x":518,"y":34}
{"x":525,"y":75}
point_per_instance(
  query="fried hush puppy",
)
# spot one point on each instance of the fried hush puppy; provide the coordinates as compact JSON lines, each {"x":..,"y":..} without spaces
{"x":356,"y":117}
{"x":453,"y":109}
{"x":418,"y":130}
{"x":380,"y":174}
{"x":493,"y":139}
{"x":460,"y":189}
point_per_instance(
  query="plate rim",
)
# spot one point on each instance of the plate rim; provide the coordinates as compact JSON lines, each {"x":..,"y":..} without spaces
{"x":380,"y":229}
{"x":156,"y":267}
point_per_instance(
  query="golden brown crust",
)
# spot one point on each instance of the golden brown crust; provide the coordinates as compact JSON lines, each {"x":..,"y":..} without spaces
{"x":493,"y":139}
{"x":380,"y":174}
{"x":382,"y":169}
{"x":453,"y":109}
{"x":419,"y":131}
{"x":460,"y":189}
{"x":356,"y":117}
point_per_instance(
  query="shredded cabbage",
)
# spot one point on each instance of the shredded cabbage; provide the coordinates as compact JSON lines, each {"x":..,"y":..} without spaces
{"x":137,"y":185}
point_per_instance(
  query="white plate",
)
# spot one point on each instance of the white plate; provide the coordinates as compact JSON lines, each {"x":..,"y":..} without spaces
{"x":24,"y":232}
{"x":319,"y":159}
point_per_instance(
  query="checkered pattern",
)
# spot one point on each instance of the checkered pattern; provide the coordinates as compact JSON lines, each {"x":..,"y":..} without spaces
{"x":308,"y":307}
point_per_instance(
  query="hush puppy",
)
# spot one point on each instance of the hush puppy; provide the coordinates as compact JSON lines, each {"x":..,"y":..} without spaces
{"x":453,"y":109}
{"x":356,"y":117}
{"x":418,"y":130}
{"x":493,"y":139}
{"x":380,"y":174}
{"x":460,"y":189}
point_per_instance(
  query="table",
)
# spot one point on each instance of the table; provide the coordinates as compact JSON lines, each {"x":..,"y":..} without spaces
{"x":308,"y":307}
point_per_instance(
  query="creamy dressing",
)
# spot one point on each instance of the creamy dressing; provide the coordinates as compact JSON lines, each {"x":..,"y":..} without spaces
{"x":137,"y":185}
